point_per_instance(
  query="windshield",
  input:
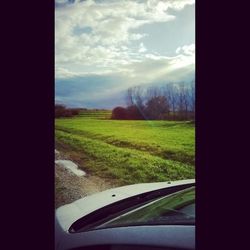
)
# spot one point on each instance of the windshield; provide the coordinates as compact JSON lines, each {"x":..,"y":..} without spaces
{"x":178,"y":208}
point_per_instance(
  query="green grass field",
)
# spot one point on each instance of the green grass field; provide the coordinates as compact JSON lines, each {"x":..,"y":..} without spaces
{"x":128,"y":152}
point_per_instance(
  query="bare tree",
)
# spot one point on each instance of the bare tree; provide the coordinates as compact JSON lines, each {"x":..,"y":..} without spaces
{"x":171,"y":93}
{"x":152,"y":92}
{"x":129,"y":97}
{"x":135,"y":99}
{"x":192,"y":99}
{"x":181,"y":101}
{"x":186,"y":97}
{"x":173,"y":101}
{"x":157,"y":108}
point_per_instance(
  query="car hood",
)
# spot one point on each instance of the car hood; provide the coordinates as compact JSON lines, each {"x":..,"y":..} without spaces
{"x":68,"y":214}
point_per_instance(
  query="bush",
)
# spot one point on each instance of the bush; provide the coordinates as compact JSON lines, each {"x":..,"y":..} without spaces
{"x":119,"y":113}
{"x":133,"y":113}
{"x":75,"y":111}
{"x":62,"y":111}
{"x":157,"y":108}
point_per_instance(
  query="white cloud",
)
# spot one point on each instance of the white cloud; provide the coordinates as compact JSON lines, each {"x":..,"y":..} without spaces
{"x":163,"y":5}
{"x":159,"y":68}
{"x":142,"y":48}
{"x":112,"y":27}
{"x":63,"y":73}
{"x":186,"y":49}
{"x":178,"y":5}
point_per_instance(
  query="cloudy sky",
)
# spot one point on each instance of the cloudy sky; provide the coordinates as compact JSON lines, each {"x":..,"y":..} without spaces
{"x":102,"y":47}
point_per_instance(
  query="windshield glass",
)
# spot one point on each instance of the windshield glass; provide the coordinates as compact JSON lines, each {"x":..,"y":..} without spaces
{"x":178,"y":208}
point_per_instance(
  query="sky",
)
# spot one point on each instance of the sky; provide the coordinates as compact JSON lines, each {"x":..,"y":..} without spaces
{"x":103,"y":47}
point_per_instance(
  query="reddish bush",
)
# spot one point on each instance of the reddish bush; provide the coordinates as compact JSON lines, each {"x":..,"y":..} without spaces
{"x":133,"y":113}
{"x":62,"y":111}
{"x":75,"y":111}
{"x":119,"y":113}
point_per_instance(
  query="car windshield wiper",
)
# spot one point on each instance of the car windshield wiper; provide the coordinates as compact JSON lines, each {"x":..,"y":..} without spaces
{"x":108,"y":212}
{"x":158,"y":221}
{"x":172,"y":217}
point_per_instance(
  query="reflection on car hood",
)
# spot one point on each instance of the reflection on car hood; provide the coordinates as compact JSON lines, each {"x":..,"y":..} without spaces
{"x":68,"y":214}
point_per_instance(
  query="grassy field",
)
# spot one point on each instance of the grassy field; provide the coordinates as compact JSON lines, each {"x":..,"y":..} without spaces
{"x":128,"y":151}
{"x":98,"y":114}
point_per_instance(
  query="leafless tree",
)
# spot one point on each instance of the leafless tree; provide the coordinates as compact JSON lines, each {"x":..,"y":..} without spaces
{"x":129,"y":97}
{"x":136,"y":96}
{"x":157,"y":108}
{"x":139,"y":97}
{"x":173,"y":101}
{"x":192,"y":99}
{"x":170,"y":92}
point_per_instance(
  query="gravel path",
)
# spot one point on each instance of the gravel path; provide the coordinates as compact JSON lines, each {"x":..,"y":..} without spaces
{"x":70,"y":187}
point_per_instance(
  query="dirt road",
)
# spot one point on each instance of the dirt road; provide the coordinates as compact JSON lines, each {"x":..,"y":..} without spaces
{"x":70,"y":187}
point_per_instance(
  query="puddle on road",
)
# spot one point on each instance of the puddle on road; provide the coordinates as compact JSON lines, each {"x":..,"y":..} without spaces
{"x":70,"y":165}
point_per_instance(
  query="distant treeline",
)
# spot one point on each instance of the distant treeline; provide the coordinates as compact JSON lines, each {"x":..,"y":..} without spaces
{"x":62,"y":111}
{"x":170,"y":102}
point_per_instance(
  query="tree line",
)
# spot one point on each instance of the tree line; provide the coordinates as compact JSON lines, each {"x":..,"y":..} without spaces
{"x":63,"y":111}
{"x":170,"y":102}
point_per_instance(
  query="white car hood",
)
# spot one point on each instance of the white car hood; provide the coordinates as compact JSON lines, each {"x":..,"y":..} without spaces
{"x":68,"y":214}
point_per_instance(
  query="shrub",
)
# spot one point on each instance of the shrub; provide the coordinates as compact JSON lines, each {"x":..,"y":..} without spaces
{"x":133,"y":113}
{"x":119,"y":113}
{"x":62,"y":111}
